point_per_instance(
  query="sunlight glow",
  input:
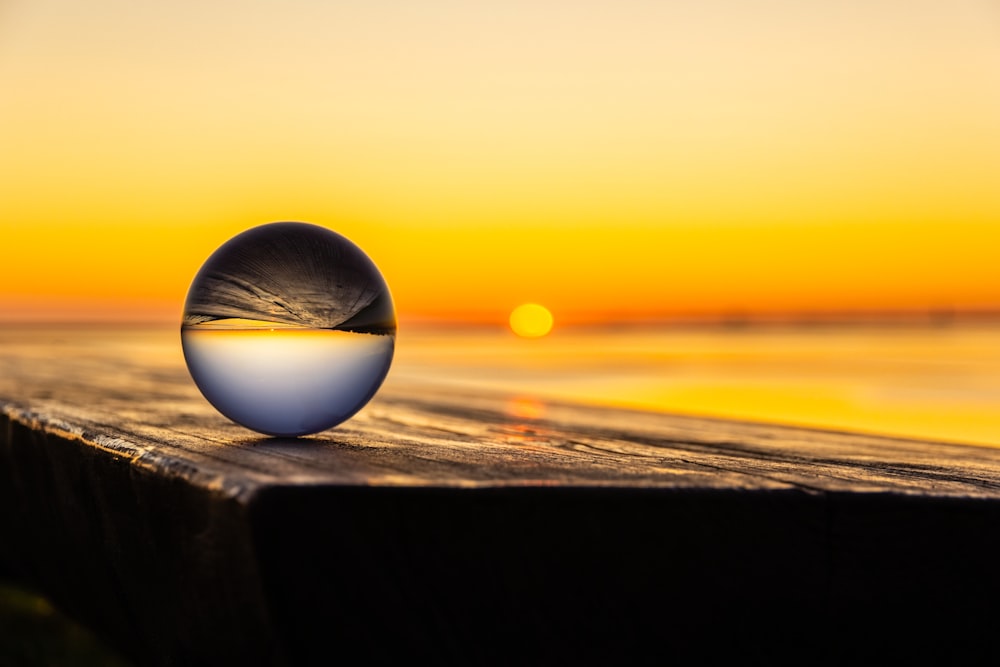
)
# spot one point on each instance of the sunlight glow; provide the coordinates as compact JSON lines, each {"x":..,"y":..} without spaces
{"x":530,"y":320}
{"x":644,"y":161}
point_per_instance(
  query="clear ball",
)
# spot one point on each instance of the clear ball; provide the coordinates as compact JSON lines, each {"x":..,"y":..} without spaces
{"x":289,"y":329}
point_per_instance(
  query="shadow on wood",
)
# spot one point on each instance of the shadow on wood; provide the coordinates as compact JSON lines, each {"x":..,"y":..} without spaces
{"x":178,"y":573}
{"x":436,"y":526}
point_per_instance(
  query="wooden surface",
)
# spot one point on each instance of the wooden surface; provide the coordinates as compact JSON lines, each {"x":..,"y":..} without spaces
{"x":469,"y":528}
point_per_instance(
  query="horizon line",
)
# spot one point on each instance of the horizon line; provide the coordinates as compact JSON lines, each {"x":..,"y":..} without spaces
{"x":732,"y":319}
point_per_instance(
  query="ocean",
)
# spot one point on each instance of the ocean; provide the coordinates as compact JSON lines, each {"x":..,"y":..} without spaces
{"x":928,"y":382}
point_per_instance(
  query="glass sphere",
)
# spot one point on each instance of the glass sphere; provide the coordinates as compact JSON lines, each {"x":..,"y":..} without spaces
{"x":289,"y":329}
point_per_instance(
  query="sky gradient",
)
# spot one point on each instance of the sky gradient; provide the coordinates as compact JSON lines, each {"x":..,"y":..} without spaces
{"x":608,"y":160}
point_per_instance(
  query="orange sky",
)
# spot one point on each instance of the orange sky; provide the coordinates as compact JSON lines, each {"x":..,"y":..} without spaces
{"x":627,"y":159}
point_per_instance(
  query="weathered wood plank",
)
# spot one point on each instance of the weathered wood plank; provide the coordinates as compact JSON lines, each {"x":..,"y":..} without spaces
{"x":131,"y":392}
{"x":448,"y":526}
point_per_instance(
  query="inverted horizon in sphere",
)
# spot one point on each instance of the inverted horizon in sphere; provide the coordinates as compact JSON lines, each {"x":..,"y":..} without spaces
{"x":289,"y":329}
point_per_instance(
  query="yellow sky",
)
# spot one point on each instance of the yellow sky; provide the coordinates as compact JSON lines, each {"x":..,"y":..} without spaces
{"x":629,"y":158}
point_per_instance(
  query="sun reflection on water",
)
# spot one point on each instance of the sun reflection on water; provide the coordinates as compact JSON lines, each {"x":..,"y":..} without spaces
{"x":921,"y":382}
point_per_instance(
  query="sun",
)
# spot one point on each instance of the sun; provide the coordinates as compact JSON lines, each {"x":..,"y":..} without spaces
{"x":531,"y":320}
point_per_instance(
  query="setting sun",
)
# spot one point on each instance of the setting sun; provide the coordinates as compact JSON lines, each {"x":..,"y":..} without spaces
{"x":763,"y":161}
{"x":531,"y":320}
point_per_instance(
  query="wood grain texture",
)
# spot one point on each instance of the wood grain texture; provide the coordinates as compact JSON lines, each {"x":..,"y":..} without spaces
{"x":446,"y":525}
